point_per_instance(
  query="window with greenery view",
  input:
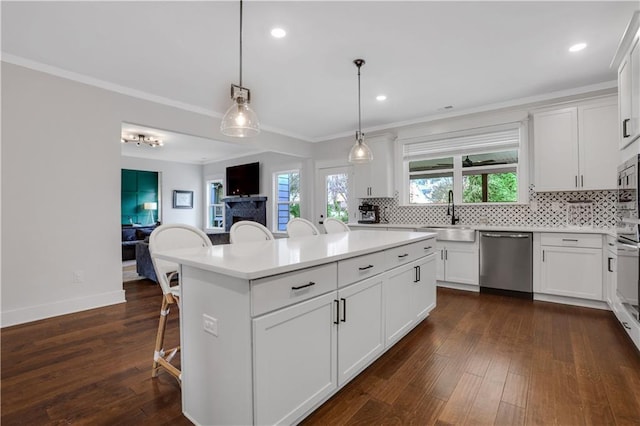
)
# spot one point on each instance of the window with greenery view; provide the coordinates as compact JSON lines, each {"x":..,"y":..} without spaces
{"x":287,"y":195}
{"x":479,"y":166}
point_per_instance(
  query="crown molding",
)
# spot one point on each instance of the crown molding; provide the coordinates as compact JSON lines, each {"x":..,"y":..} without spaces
{"x":128,"y":91}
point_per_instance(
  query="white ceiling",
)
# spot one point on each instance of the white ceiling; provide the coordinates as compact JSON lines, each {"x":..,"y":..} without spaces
{"x":422,"y":55}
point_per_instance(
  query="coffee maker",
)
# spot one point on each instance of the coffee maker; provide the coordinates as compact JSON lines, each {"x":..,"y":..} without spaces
{"x":369,"y":213}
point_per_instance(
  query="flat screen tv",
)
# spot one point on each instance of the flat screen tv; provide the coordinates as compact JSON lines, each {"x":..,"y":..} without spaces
{"x":243,"y":180}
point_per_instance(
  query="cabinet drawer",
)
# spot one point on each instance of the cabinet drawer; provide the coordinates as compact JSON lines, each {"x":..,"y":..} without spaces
{"x":571,"y":240}
{"x":361,"y":267}
{"x":271,"y":293}
{"x":404,"y":254}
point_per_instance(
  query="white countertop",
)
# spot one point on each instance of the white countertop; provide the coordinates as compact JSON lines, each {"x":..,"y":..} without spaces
{"x":579,"y":230}
{"x":265,"y":258}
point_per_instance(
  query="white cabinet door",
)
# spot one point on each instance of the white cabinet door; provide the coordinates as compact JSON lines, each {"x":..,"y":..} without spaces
{"x":610,"y":282}
{"x":572,"y":271}
{"x":375,"y":179}
{"x":440,"y":248}
{"x":461,"y":263}
{"x":295,"y":359}
{"x":556,"y":149}
{"x":424,"y":288}
{"x":598,"y":154}
{"x":634,"y":60}
{"x":361,"y":328}
{"x":398,"y":293}
{"x":624,"y":102}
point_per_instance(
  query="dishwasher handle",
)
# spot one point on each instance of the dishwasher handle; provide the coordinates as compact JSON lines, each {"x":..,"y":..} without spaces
{"x":492,"y":235}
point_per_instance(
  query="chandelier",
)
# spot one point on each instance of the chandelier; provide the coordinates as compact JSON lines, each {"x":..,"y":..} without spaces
{"x":142,"y":140}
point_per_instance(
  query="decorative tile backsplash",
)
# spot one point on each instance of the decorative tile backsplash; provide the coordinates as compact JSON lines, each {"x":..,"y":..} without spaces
{"x":545,"y":209}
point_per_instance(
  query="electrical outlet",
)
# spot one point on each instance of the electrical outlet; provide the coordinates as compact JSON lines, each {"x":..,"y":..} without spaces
{"x":210,"y":324}
{"x":77,"y":277}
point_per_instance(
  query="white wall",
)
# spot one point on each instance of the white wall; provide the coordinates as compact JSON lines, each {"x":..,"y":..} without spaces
{"x":61,"y":189}
{"x":181,"y":176}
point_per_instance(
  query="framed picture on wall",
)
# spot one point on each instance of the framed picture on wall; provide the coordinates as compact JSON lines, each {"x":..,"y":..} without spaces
{"x":182,"y":199}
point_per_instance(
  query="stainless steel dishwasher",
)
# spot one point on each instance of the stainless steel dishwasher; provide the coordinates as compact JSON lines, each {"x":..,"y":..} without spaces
{"x":506,"y":263}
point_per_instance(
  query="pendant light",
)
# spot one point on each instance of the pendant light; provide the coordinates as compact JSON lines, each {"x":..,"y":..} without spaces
{"x":360,"y":153}
{"x":240,"y":120}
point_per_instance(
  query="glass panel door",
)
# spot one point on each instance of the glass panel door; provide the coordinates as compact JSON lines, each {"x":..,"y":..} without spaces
{"x":334,"y":187}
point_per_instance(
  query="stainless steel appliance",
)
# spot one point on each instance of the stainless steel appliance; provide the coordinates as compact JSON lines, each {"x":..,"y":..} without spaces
{"x":506,"y":263}
{"x":628,"y":233}
{"x":369,"y":213}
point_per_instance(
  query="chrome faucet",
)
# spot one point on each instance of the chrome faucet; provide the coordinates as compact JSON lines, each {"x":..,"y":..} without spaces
{"x":451,"y":209}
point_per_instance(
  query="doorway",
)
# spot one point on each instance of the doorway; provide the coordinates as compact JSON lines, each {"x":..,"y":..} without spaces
{"x":334,"y":189}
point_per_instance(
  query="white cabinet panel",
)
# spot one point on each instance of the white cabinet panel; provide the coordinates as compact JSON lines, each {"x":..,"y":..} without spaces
{"x":375,"y":179}
{"x":457,"y":262}
{"x":424,"y":288}
{"x":361,"y":327}
{"x":397,"y":296}
{"x":572,"y":272}
{"x":286,"y":343}
{"x":556,"y":149}
{"x":574,"y":147}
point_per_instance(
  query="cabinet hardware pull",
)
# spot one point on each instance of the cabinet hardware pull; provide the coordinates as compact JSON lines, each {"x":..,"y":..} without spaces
{"x":576,"y":178}
{"x":337,"y":321}
{"x":582,"y":181}
{"x":300,"y":287}
{"x":609,"y":264}
{"x":543,"y":255}
{"x":419,"y":271}
{"x":364,"y":268}
{"x":446,"y":255}
{"x":416,"y":270}
{"x":427,"y":248}
{"x":570,"y":239}
{"x":344,"y":309}
{"x":441,"y":254}
{"x":626,"y":326}
{"x":403,"y":255}
{"x":625,"y":133}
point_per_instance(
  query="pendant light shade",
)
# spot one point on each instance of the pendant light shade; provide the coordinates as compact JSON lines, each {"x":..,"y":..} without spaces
{"x":360,"y":153}
{"x":240,"y":120}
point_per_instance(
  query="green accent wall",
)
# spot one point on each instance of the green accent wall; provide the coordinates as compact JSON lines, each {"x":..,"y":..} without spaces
{"x":138,"y":187}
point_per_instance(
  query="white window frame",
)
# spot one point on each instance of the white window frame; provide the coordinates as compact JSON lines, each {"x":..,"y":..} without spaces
{"x":276,"y":203}
{"x":438,"y":146}
{"x":209,"y":204}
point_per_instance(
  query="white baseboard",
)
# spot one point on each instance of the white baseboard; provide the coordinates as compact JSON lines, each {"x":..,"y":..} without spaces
{"x":34,"y":313}
{"x":585,"y":303}
{"x":458,"y":286}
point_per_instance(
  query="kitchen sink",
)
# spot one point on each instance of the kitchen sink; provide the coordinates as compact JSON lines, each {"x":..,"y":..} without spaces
{"x":452,"y":233}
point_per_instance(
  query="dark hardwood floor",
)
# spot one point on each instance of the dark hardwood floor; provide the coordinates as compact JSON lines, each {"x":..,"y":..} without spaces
{"x":478,"y":359}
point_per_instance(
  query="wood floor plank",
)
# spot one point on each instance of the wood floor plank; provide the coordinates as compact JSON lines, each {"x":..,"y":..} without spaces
{"x":509,"y":415}
{"x":515,"y":390}
{"x":458,"y":405}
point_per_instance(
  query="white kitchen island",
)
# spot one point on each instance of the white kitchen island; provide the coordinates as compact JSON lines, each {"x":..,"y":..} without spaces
{"x":270,"y":330}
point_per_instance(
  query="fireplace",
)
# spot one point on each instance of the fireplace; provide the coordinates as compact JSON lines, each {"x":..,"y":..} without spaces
{"x":245,"y":208}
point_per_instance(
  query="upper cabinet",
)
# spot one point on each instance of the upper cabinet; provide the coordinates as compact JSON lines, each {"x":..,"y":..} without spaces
{"x":575,"y":147}
{"x":627,"y":60}
{"x":375,"y":179}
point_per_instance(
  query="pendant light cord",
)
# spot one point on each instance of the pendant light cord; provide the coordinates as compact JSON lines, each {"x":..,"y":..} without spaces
{"x":240,"y":43}
{"x":359,"y":108}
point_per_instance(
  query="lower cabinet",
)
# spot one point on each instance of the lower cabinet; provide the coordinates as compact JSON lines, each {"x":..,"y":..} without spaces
{"x":410,"y":294}
{"x":304,"y":352}
{"x":360,"y":327}
{"x":286,"y":343}
{"x":457,"y":262}
{"x":571,"y":265}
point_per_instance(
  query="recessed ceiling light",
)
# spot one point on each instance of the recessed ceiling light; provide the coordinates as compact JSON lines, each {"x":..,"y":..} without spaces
{"x":278,"y":32}
{"x":381,"y":97}
{"x":577,"y":47}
